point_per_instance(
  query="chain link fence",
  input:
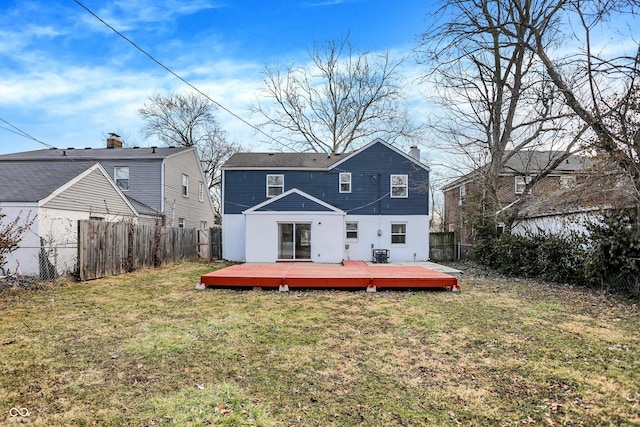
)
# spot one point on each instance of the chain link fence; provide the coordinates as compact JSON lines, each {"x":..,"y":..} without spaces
{"x":33,"y":265}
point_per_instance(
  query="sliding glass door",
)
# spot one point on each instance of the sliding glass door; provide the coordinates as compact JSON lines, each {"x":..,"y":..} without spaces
{"x":294,"y":240}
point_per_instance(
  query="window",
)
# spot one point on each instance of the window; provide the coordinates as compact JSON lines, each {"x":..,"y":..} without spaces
{"x":463,"y":194}
{"x":203,"y":225}
{"x":182,"y":223}
{"x":398,"y":233}
{"x":345,"y":182}
{"x":201,"y":191}
{"x":275,"y":185}
{"x":352,"y":230}
{"x":399,"y":185}
{"x":185,"y":185}
{"x":121,"y":176}
{"x":520,"y":183}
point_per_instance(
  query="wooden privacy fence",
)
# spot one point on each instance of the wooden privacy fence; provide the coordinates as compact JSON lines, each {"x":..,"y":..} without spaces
{"x":442,"y":246}
{"x":108,"y":249}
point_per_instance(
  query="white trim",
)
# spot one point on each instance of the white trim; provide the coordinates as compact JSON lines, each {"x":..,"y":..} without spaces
{"x":406,"y":186}
{"x":273,"y":186}
{"x":340,"y":182}
{"x":96,"y":167}
{"x":386,"y":144}
{"x":332,"y":208}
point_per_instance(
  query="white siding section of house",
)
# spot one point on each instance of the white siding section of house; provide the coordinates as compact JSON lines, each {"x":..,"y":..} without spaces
{"x":327,"y":241}
{"x":556,"y":224}
{"x":59,"y":231}
{"x":233,"y":237}
{"x":416,"y":247}
{"x":189,"y":208}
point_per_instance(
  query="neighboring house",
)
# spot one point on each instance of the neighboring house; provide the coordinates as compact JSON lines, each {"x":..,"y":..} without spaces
{"x":56,"y":195}
{"x":165,"y":182}
{"x":570,"y":210}
{"x":462,"y":195}
{"x":326,"y":208}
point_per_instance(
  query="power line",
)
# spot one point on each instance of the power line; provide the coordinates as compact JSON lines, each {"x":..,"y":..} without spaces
{"x":24,"y":134}
{"x":173,"y":73}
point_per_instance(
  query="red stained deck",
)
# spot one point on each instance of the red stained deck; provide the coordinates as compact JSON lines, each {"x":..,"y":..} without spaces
{"x":351,"y":274}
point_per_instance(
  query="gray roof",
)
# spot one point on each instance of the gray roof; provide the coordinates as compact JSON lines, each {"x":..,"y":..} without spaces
{"x":530,"y":162}
{"x":282,"y":160}
{"x":535,"y":161}
{"x":94,"y":153}
{"x":31,"y":182}
{"x":143,"y":209}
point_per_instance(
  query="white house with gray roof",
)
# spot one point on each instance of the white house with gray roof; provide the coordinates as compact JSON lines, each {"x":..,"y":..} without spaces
{"x":56,"y":195}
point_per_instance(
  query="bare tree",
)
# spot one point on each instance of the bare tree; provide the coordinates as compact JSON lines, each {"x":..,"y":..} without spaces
{"x":496,"y":97}
{"x":190,"y":121}
{"x":338,"y":102}
{"x":11,"y":234}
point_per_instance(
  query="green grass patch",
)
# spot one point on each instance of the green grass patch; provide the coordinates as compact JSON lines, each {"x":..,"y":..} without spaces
{"x":148,"y":349}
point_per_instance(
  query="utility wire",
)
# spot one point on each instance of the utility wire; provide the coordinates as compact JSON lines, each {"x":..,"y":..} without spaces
{"x":173,"y":73}
{"x":24,"y":134}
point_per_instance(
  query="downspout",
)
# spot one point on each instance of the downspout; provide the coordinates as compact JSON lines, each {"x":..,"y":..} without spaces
{"x":162,"y":186}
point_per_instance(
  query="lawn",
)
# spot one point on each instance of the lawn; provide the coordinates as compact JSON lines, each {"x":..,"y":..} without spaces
{"x":147,"y":349}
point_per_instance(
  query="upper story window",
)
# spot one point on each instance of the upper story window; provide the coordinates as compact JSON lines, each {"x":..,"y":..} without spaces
{"x":185,"y":185}
{"x":520,"y":183}
{"x":462,"y":196}
{"x":345,"y":182}
{"x":399,"y":233}
{"x":201,"y":191}
{"x":352,"y":230}
{"x":275,"y":185}
{"x":121,"y":176}
{"x":399,"y":185}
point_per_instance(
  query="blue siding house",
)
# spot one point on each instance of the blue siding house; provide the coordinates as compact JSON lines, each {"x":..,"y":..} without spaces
{"x":326,"y":208}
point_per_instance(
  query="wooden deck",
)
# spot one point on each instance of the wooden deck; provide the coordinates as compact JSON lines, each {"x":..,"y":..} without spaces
{"x":350,"y":274}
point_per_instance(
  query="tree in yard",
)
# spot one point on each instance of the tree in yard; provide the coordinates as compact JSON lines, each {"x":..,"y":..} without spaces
{"x":190,"y":121}
{"x":341,"y":100}
{"x":11,"y":233}
{"x":503,"y":93}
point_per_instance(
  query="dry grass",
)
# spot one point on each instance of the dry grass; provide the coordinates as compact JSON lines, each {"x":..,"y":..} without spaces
{"x":147,"y":349}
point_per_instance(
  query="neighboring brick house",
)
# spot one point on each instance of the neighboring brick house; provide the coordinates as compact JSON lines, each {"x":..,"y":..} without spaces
{"x":462,"y":195}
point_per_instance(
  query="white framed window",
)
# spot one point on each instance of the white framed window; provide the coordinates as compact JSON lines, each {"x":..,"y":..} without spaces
{"x":345,"y":182}
{"x":399,"y":233}
{"x":203,"y":225}
{"x":275,"y":185}
{"x":121,"y":176}
{"x":182,"y":223}
{"x":201,"y":191}
{"x":185,"y":185}
{"x":351,"y":230}
{"x":462,"y":196}
{"x":399,"y":186}
{"x":521,"y":182}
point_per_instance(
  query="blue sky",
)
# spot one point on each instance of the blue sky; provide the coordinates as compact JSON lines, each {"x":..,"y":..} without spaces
{"x":68,"y":80}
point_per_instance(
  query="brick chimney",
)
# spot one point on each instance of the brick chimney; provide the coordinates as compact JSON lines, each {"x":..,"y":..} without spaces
{"x":114,"y":141}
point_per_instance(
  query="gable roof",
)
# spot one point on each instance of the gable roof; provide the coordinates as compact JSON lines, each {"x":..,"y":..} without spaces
{"x":294,"y":197}
{"x":297,"y":161}
{"x":97,"y":154}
